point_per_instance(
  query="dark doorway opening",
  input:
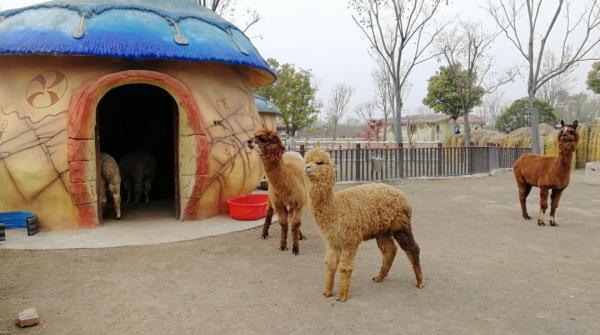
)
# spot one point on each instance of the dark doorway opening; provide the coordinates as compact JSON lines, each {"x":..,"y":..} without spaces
{"x":140,"y":117}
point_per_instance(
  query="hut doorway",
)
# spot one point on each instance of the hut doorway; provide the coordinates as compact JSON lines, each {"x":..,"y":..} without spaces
{"x":142,"y":118}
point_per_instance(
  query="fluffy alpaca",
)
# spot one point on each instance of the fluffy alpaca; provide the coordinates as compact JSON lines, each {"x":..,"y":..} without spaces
{"x":357,"y":214}
{"x":137,"y":170}
{"x":547,"y":173}
{"x":111,"y":177}
{"x":287,"y":193}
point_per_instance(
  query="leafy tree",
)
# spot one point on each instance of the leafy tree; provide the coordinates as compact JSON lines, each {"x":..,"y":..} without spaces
{"x":593,"y":79}
{"x":518,"y":115}
{"x":294,"y":93}
{"x":447,"y":89}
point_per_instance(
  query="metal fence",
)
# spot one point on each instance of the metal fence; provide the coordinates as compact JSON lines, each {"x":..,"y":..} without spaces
{"x":366,"y":164}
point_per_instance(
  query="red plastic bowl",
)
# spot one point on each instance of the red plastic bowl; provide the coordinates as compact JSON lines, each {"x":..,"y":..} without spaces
{"x":249,"y":207}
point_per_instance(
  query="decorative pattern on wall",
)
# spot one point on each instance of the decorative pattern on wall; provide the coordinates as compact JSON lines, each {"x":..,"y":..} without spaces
{"x":46,"y":89}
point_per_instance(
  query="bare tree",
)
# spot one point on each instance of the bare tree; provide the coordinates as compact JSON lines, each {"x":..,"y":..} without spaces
{"x":492,"y":106}
{"x":466,"y":49}
{"x":338,"y":105}
{"x":556,"y":90}
{"x":384,"y":94}
{"x":366,"y":112}
{"x":227,"y":8}
{"x":579,"y":39}
{"x":399,"y":35}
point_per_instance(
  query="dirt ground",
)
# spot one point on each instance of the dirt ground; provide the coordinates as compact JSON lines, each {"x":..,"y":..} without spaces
{"x":487,"y":272}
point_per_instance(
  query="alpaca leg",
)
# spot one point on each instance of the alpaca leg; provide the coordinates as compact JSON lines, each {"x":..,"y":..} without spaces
{"x":524,"y":190}
{"x":138,"y":189}
{"x":115,"y":191}
{"x":346,"y":265}
{"x":127,"y":190}
{"x":268,"y":220}
{"x":296,"y":222}
{"x":282,"y":216}
{"x":147,"y":190}
{"x":407,"y":242}
{"x":388,"y":252}
{"x":543,"y":206}
{"x":332,"y":259}
{"x":555,"y":197}
{"x":302,"y":237}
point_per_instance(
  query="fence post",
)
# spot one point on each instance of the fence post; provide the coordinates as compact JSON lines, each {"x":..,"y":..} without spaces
{"x":302,"y":150}
{"x":440,"y":159}
{"x":400,"y":164}
{"x":358,"y":176}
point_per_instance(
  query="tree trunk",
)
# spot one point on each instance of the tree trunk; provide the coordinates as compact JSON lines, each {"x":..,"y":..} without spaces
{"x":467,"y":129}
{"x":398,"y":112}
{"x":334,"y":130}
{"x":385,"y":118}
{"x":535,"y":120}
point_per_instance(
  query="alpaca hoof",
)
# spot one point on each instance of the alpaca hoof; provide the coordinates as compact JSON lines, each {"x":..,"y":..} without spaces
{"x":554,"y":223}
{"x":342,"y":297}
{"x":283,"y":248}
{"x":118,"y":218}
{"x":295,"y":250}
{"x":377,"y":279}
{"x":302,"y":237}
{"x":328,"y":294}
{"x":264,"y":236}
{"x":420,"y":285}
{"x":526,"y":217}
{"x":541,"y":223}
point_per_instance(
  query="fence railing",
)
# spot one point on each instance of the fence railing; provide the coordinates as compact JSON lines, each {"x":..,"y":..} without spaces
{"x":367,"y":164}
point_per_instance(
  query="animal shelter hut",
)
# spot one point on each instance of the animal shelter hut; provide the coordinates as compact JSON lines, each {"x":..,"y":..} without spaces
{"x":82,"y":77}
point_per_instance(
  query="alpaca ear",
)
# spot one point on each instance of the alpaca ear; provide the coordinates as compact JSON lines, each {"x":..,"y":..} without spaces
{"x":575,"y":123}
{"x":562,"y":123}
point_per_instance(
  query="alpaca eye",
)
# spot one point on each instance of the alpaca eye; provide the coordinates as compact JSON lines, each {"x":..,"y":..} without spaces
{"x":320,"y":163}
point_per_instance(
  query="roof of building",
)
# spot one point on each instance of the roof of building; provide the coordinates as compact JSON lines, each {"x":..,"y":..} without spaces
{"x":180,"y":30}
{"x":265,"y":106}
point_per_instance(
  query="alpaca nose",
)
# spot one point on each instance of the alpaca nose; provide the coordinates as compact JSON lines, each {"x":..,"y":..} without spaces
{"x":250,"y":144}
{"x":308,"y":169}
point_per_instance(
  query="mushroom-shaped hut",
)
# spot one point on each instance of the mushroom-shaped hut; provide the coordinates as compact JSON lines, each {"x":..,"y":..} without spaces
{"x":81,"y":77}
{"x":267,"y":111}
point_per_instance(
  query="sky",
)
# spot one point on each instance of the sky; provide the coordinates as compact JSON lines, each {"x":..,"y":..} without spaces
{"x":323,"y":38}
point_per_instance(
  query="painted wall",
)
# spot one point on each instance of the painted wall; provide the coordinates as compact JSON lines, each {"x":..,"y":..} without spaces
{"x":37,"y":103}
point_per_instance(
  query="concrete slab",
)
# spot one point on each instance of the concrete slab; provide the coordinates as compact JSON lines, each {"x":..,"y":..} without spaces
{"x":139,"y":226}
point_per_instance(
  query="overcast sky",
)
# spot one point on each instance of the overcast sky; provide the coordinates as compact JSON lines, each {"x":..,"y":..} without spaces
{"x":324,"y":39}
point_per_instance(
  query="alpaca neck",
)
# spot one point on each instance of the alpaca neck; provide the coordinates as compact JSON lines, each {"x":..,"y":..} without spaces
{"x":322,"y":199}
{"x":564,"y":160}
{"x":275,"y":172}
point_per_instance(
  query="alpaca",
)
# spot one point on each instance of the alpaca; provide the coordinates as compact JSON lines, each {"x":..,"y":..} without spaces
{"x":357,"y":214}
{"x":137,"y":170}
{"x":110,"y":177}
{"x":547,"y":173}
{"x":287,"y":193}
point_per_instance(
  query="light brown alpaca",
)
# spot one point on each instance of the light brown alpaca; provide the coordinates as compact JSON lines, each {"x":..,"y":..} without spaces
{"x":110,"y":177}
{"x":287,"y":193}
{"x":357,"y":214}
{"x":547,"y":173}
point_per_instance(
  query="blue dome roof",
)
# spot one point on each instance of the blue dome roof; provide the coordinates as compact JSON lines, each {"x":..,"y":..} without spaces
{"x":133,"y":29}
{"x":265,"y":106}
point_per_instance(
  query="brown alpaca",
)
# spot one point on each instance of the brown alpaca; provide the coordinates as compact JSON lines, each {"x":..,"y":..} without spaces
{"x":287,"y":193}
{"x":547,"y":173}
{"x":357,"y":214}
{"x":110,"y":178}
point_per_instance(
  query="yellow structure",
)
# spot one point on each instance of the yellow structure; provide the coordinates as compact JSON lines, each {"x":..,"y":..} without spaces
{"x":186,"y":99}
{"x":431,"y":127}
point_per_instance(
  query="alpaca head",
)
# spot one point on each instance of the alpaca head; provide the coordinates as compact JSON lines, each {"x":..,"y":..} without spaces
{"x":268,"y":144}
{"x":319,"y":168}
{"x":568,"y":137}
